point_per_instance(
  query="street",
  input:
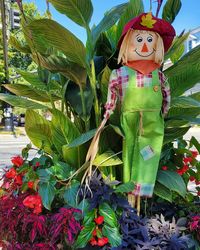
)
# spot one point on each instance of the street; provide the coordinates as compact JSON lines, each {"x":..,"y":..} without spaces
{"x":11,"y":146}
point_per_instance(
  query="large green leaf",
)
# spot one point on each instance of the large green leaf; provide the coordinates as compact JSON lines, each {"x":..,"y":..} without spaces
{"x":174,"y":133}
{"x":171,"y":9}
{"x":125,"y":188}
{"x":71,"y":194}
{"x":79,"y":11}
{"x":47,"y":191}
{"x":54,"y":63}
{"x":17,"y":45}
{"x":113,"y":235}
{"x":172,"y":181}
{"x":109,"y":215}
{"x":38,"y":130}
{"x":30,"y":92}
{"x":33,"y":79}
{"x":184,"y":74}
{"x":21,"y":102}
{"x":185,"y":102}
{"x":183,"y":113}
{"x":110,"y":18}
{"x":177,"y":43}
{"x":75,"y":157}
{"x":163,"y":192}
{"x":85,"y":137}
{"x":73,"y":96}
{"x":135,"y":8}
{"x":41,"y":45}
{"x":195,"y":143}
{"x":61,"y":170}
{"x":107,"y":159}
{"x":63,"y":130}
{"x":53,"y":34}
{"x":84,"y":236}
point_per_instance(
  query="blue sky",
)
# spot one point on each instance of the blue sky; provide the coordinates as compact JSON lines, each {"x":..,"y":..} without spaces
{"x":188,"y":17}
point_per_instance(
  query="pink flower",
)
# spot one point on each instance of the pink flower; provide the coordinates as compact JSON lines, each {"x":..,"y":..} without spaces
{"x":17,"y":161}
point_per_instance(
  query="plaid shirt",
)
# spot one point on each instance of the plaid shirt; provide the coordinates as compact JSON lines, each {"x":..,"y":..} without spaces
{"x":118,"y":84}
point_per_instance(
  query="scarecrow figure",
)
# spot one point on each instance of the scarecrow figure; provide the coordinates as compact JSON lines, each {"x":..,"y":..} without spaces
{"x":144,"y":95}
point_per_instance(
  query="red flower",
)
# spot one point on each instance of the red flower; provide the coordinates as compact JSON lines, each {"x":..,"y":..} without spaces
{"x":11,"y":173}
{"x":197,"y":182}
{"x":102,"y":241}
{"x":187,"y":160}
{"x":99,"y":220}
{"x":37,"y":164}
{"x":182,"y":170}
{"x":192,"y":178}
{"x":93,"y":242}
{"x":185,"y":168}
{"x":179,"y":171}
{"x":17,"y":161}
{"x":198,"y":193}
{"x":194,"y":153}
{"x":18,"y":179}
{"x":94,"y":233}
{"x":30,"y":184}
{"x":164,"y":168}
{"x":33,"y":201}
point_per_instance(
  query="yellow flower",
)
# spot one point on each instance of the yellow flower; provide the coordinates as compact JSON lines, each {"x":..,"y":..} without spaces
{"x":148,"y":21}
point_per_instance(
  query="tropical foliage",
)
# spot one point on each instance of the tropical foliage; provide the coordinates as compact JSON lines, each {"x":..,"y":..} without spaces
{"x":71,"y":82}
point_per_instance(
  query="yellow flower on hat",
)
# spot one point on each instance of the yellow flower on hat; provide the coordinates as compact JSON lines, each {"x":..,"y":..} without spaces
{"x":148,"y":21}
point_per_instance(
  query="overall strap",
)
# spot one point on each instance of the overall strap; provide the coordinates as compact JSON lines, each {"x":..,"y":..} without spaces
{"x":155,"y":77}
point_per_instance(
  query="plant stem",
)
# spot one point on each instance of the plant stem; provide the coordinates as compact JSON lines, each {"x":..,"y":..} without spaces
{"x":92,"y":78}
{"x":87,"y":127}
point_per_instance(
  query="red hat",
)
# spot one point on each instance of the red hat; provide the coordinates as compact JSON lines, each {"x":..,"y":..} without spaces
{"x":146,"y":21}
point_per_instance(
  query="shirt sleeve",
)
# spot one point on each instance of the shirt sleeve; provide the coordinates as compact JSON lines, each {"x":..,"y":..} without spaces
{"x":112,"y":95}
{"x":165,"y":92}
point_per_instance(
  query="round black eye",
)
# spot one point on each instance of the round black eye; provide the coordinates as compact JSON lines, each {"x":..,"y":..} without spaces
{"x":139,"y":39}
{"x":149,"y":39}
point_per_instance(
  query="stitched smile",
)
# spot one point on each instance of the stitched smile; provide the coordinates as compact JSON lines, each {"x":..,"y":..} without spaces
{"x":146,"y":55}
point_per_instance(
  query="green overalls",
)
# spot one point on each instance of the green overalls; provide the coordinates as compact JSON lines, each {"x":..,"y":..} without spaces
{"x":143,"y":127}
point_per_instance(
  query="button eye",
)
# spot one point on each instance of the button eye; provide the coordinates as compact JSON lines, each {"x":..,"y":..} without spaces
{"x":139,"y":39}
{"x":149,"y":39}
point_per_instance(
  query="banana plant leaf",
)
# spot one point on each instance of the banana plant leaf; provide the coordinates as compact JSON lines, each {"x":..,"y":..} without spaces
{"x":21,"y":102}
{"x":171,"y":9}
{"x":38,"y":130}
{"x":185,"y":73}
{"x":30,"y":92}
{"x":79,"y":11}
{"x":73,"y":71}
{"x":53,"y":34}
{"x":108,"y":21}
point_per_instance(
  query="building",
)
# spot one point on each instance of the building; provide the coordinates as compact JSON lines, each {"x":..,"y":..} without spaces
{"x":193,"y":41}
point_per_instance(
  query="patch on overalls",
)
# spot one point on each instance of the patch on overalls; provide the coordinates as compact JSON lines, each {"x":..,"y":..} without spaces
{"x":147,"y":153}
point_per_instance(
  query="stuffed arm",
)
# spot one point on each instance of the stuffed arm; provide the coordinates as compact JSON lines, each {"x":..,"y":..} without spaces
{"x":166,"y":93}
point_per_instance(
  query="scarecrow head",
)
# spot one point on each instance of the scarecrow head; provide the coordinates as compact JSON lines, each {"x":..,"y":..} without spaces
{"x":145,"y":38}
